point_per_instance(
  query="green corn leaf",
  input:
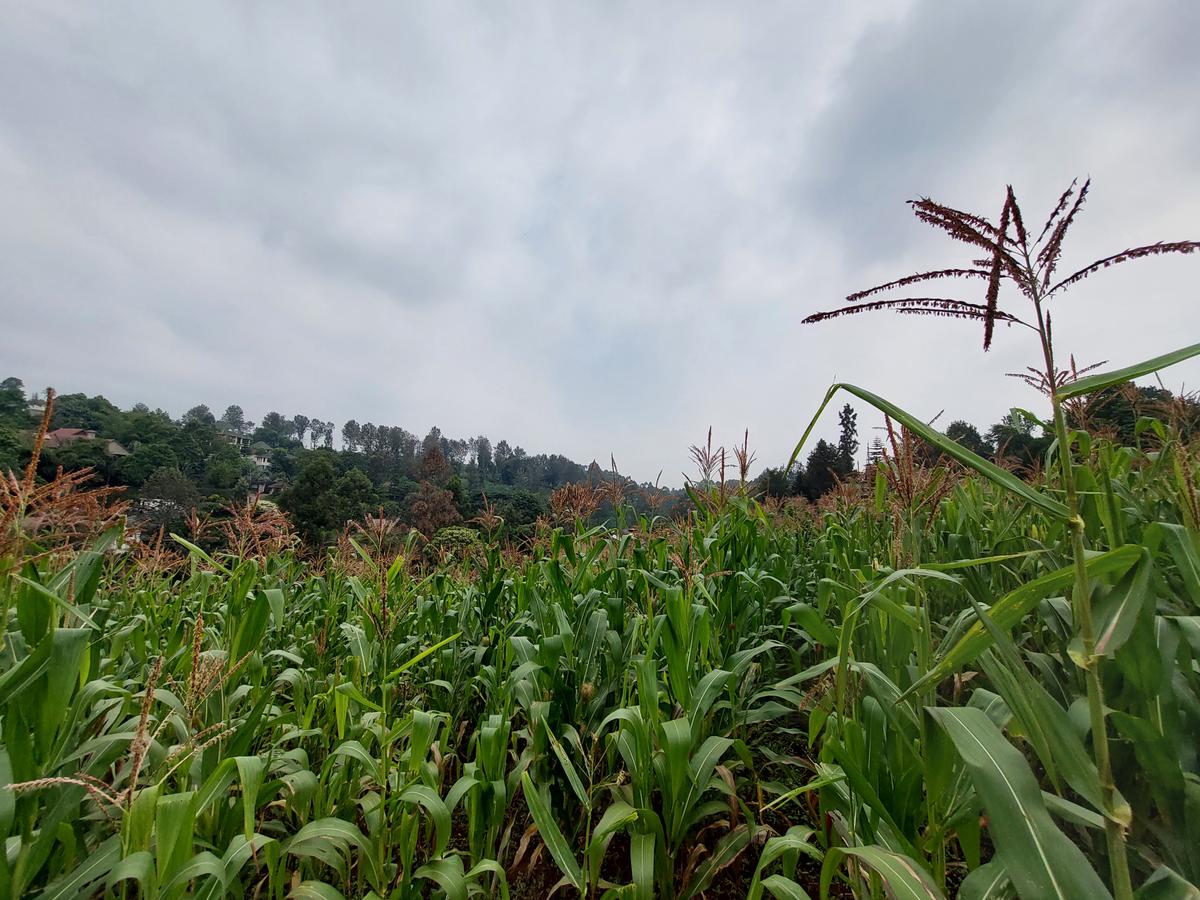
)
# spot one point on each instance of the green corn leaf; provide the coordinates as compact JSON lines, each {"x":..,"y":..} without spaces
{"x":215,"y":785}
{"x":239,"y":852}
{"x":139,"y":819}
{"x":1101,"y":380}
{"x":275,"y":600}
{"x":8,"y":799}
{"x":1167,"y":884}
{"x":864,"y":786}
{"x":1040,"y":859}
{"x":1045,"y":722}
{"x":823,"y":780}
{"x":173,"y":826}
{"x":1012,"y":607}
{"x":78,"y":580}
{"x":315,"y":890}
{"x":76,"y":882}
{"x":204,"y":865}
{"x":250,"y":775}
{"x":789,"y":846}
{"x":617,"y":816}
{"x":783,"y":888}
{"x":905,"y":879}
{"x":420,"y":656}
{"x":641,"y":860}
{"x":493,"y":868}
{"x":1118,"y":611}
{"x":329,"y":840}
{"x":1182,"y":548}
{"x":703,"y":697}
{"x":988,"y":882}
{"x":26,"y":673}
{"x":954,"y":450}
{"x":447,"y":873}
{"x":567,"y":766}
{"x":253,"y":626}
{"x":198,"y":552}
{"x":137,"y":867}
{"x":559,"y":849}
{"x":67,"y":648}
{"x":347,"y":689}
{"x":356,"y":751}
{"x":436,"y":807}
{"x":58,"y":601}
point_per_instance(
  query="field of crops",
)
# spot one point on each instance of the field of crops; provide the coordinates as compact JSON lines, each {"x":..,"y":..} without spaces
{"x":888,"y":695}
{"x":947,"y":680}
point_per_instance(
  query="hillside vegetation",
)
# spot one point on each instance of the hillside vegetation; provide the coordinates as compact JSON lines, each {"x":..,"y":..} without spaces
{"x":948,"y":677}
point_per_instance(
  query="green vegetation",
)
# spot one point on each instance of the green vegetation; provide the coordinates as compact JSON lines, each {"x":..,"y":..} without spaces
{"x":949,"y":677}
{"x":202,"y":463}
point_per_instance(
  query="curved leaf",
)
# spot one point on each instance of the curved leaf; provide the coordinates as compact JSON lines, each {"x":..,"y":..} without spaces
{"x":1098,"y":382}
{"x":953,"y":449}
{"x":552,"y":837}
{"x":905,"y":879}
{"x":1040,"y":859}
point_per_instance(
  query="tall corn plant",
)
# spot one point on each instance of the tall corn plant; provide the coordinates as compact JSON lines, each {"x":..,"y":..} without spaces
{"x":1009,"y":255}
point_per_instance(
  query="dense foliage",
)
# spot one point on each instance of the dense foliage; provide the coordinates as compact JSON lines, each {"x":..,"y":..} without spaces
{"x":749,"y":699}
{"x":176,"y":466}
{"x":949,"y":677}
{"x":202,"y":463}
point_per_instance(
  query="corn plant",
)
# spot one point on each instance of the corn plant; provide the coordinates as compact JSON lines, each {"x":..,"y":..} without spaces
{"x":1030,"y":266}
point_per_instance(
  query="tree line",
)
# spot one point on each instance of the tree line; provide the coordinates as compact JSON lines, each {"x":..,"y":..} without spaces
{"x":1019,"y":441}
{"x":203,"y":461}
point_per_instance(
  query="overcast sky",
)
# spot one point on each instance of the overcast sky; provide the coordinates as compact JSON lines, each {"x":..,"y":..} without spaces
{"x":587,"y":228}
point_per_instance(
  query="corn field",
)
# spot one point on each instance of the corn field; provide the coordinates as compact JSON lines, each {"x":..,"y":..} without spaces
{"x":886,"y":696}
{"x":946,"y":681}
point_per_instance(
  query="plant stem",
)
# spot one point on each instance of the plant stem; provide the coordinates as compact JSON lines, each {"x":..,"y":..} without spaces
{"x":1081,"y":602}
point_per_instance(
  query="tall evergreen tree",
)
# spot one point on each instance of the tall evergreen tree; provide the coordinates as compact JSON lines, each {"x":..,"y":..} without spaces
{"x":847,"y":440}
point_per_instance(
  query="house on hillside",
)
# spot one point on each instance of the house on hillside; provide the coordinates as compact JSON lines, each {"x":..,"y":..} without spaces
{"x":235,"y":438}
{"x":260,"y":452}
{"x":61,"y":437}
{"x":36,"y":406}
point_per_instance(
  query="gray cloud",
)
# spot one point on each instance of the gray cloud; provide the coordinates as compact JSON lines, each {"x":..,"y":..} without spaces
{"x":585,"y":229}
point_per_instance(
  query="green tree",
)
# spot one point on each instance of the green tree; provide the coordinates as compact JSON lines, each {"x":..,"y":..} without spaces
{"x":774,"y":482}
{"x":235,"y":419}
{"x":1015,"y":441}
{"x":285,"y":463}
{"x":821,"y":471}
{"x":300,"y":426}
{"x":968,"y":435}
{"x":144,"y":461}
{"x":198,"y":415}
{"x":14,"y":409}
{"x":12,"y":456}
{"x":83,"y":455}
{"x":847,"y":440}
{"x":165,"y":501}
{"x":320,"y":502}
{"x":275,"y":430}
{"x":226,"y":472}
{"x":141,"y":426}
{"x":81,"y":411}
{"x":483,"y":456}
{"x":1115,"y":411}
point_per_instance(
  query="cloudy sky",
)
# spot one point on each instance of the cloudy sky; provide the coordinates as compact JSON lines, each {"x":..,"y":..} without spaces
{"x":585,"y":228}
